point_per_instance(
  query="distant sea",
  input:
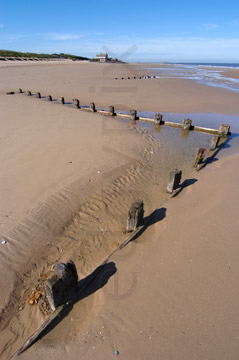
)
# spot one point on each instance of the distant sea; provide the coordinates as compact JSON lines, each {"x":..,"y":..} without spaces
{"x":210,"y":74}
{"x":231,"y":65}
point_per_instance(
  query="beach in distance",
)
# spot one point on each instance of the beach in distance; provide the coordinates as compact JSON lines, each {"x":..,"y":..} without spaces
{"x":68,"y":178}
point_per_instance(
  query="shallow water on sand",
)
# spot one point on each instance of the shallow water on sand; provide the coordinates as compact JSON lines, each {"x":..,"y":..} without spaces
{"x":201,"y":74}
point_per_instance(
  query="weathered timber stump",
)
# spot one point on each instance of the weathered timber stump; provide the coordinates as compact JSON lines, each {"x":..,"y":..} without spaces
{"x":76,"y":103}
{"x":133,"y":114}
{"x":38,"y":95}
{"x":199,"y":157}
{"x":158,"y":118}
{"x":214,"y":142}
{"x":187,"y":123}
{"x":29,"y":93}
{"x":224,"y":130}
{"x":62,"y":101}
{"x":111,"y":110}
{"x":135,"y":216}
{"x":60,"y":285}
{"x":20,"y":91}
{"x":92,"y":107}
{"x":174,"y":180}
{"x":49,"y":98}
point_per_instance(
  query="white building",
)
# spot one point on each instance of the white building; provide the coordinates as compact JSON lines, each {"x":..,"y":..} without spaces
{"x":102,"y":57}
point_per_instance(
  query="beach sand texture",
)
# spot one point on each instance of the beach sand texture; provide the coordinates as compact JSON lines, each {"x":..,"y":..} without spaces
{"x":68,"y":178}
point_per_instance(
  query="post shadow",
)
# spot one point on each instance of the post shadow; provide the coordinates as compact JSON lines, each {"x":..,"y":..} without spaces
{"x":85,"y":287}
{"x":156,"y":216}
{"x":184,"y":185}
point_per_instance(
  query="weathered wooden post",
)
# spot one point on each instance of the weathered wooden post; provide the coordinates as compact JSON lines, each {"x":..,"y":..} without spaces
{"x":224,"y":130}
{"x":62,"y":101}
{"x":199,"y":157}
{"x":76,"y":103}
{"x":111,"y":110}
{"x":61,"y":283}
{"x":133,"y":115}
{"x":135,"y":216}
{"x":20,"y":91}
{"x":187,"y":123}
{"x":174,"y":180}
{"x":92,"y":107}
{"x":29,"y":93}
{"x":49,"y":98}
{"x":214,"y":142}
{"x":38,"y":95}
{"x":158,"y":118}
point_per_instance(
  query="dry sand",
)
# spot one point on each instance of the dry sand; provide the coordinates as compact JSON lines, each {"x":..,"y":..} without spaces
{"x":67,"y":180}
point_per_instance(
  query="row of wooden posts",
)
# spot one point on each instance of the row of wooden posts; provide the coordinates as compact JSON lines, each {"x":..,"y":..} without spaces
{"x":224,"y":129}
{"x":136,"y":77}
{"x":62,"y":287}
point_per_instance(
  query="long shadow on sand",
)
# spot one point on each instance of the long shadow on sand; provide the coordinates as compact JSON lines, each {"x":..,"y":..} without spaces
{"x":85,"y":287}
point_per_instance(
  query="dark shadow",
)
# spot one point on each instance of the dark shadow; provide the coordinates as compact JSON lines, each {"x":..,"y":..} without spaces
{"x":184,"y":184}
{"x":156,"y":216}
{"x":85,"y":287}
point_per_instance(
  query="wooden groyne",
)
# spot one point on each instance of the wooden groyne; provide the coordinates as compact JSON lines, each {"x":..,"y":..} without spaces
{"x":186,"y":125}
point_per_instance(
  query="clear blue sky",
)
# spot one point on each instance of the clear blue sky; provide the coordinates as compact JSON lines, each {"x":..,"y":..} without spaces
{"x":200,"y":31}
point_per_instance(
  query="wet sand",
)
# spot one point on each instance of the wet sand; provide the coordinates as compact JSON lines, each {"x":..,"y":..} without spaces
{"x":67,"y":180}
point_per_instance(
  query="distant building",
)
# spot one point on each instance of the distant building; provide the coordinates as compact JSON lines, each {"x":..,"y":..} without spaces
{"x":102,"y":57}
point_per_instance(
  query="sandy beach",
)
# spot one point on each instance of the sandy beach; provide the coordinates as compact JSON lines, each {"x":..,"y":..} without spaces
{"x":67,"y":180}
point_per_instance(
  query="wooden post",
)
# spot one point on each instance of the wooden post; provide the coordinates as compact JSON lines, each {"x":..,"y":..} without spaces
{"x":214,"y":142}
{"x":62,"y":101}
{"x":29,"y":93}
{"x":92,"y":107}
{"x":187,"y":123}
{"x":76,"y":103}
{"x":20,"y":91}
{"x":135,"y":215}
{"x":158,"y":119}
{"x":111,"y":110}
{"x":224,"y":130}
{"x":174,"y":180}
{"x":60,"y":285}
{"x":38,"y":95}
{"x":49,"y":98}
{"x":133,"y":114}
{"x":199,"y":157}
